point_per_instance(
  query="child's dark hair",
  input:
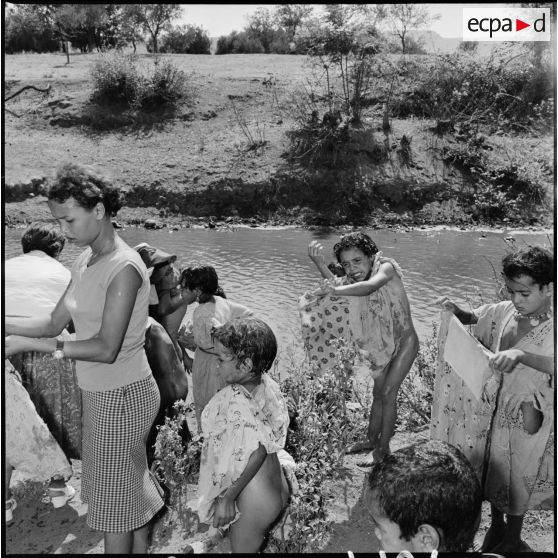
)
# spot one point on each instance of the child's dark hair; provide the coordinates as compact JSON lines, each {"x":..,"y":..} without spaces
{"x":46,"y":238}
{"x":358,"y":240}
{"x":533,"y":261}
{"x":86,"y":186}
{"x":204,"y":278}
{"x":429,"y":483}
{"x":249,"y":338}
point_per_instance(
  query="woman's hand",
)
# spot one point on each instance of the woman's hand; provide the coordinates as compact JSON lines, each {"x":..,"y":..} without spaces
{"x":225,"y":511}
{"x":505,"y":361}
{"x":326,"y":287}
{"x":14,"y":344}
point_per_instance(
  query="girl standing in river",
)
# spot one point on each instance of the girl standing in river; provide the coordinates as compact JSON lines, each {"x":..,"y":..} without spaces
{"x":107,"y":300}
{"x":214,"y":310}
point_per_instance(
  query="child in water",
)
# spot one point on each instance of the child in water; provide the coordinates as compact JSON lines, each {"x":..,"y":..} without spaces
{"x":242,"y":483}
{"x":519,"y":474}
{"x":202,"y":284}
{"x":381,"y":325}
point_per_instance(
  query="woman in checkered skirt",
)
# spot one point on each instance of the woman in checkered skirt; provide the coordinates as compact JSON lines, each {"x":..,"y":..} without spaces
{"x":107,"y":299}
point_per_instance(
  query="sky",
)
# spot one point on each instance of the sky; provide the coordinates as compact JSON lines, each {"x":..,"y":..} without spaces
{"x":221,"y":19}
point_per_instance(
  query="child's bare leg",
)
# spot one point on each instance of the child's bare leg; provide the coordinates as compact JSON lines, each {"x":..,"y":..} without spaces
{"x":495,"y":533}
{"x":374,"y":421}
{"x":398,"y":369}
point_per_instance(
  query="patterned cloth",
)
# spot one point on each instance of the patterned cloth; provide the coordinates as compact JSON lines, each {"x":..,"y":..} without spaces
{"x":205,"y":380}
{"x":52,"y":386}
{"x":520,"y":466}
{"x":116,"y":483}
{"x":30,"y":447}
{"x":235,"y":422}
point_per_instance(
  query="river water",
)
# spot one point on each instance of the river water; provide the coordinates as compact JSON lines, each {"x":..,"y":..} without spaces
{"x":268,"y":269}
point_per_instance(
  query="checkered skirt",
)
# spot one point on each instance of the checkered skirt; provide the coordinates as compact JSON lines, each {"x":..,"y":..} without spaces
{"x":116,"y":484}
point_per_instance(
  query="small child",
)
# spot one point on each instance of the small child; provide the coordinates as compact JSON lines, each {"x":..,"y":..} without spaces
{"x":519,"y":474}
{"x":202,"y":284}
{"x":424,"y":497}
{"x":242,"y":483}
{"x":381,"y":325}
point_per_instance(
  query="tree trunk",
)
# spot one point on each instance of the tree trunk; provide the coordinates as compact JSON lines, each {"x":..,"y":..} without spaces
{"x":403,"y":43}
{"x":67,"y":52}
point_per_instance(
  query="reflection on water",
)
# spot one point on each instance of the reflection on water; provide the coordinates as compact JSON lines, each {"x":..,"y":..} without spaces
{"x":268,"y":270}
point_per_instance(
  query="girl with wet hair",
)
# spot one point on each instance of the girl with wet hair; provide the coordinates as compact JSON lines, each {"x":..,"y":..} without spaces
{"x":202,"y":284}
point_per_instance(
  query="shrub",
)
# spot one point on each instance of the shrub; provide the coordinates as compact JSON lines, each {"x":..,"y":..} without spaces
{"x":118,"y":79}
{"x":186,"y":39}
{"x":239,"y":43}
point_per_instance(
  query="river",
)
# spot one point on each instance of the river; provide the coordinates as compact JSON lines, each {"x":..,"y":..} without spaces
{"x":268,"y":269}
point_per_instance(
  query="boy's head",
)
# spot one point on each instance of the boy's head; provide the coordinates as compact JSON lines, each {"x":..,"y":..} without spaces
{"x":424,"y":497}
{"x":158,"y":262}
{"x":529,"y":278}
{"x":249,"y":342}
{"x":355,"y":252}
{"x":46,"y":238}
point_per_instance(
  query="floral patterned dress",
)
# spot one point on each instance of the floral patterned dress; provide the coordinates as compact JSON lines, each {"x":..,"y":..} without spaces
{"x":518,"y":466}
{"x":235,"y":422}
{"x":30,"y":447}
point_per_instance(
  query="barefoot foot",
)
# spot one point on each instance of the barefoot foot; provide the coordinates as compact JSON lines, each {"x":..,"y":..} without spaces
{"x":359,"y":447}
{"x":373,"y":457}
{"x":493,"y":537}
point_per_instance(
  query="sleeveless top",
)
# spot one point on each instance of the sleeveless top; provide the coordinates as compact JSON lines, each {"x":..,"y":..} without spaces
{"x":85,"y":301}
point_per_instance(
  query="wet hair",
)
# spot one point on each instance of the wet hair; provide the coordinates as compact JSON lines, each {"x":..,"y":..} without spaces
{"x":204,"y":278}
{"x":46,"y":238}
{"x":249,"y":338}
{"x":85,"y":185}
{"x":357,"y":240}
{"x":430,"y":483}
{"x":336,"y":269}
{"x":534,"y":261}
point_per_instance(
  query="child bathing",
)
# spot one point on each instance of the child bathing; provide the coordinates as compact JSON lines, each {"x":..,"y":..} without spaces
{"x":519,"y":474}
{"x":245,"y":425}
{"x":381,"y":325}
{"x":202,"y":284}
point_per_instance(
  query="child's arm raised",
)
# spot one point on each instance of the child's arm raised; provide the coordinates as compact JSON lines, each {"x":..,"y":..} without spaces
{"x":464,"y":316}
{"x":316,"y":254}
{"x":363,"y":288}
{"x":506,"y":361}
{"x":225,"y":510}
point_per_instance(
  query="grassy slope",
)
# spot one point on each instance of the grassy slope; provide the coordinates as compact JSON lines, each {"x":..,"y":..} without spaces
{"x":206,"y":144}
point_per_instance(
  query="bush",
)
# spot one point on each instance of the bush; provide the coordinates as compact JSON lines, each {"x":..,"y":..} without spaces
{"x":118,"y":79}
{"x":186,"y":39}
{"x":25,"y":32}
{"x":239,"y":43}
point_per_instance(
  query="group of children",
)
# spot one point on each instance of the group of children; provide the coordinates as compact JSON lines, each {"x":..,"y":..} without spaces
{"x":244,"y":420}
{"x":421,"y":498}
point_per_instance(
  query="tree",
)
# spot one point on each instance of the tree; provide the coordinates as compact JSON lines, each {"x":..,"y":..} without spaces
{"x":291,"y":16}
{"x":154,"y":18}
{"x":186,"y":39}
{"x":261,"y":27}
{"x":404,"y":17}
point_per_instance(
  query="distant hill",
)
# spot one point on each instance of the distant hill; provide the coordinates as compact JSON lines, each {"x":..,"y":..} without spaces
{"x":434,"y":43}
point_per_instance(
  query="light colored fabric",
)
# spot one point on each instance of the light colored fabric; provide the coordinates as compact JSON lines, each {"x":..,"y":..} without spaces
{"x":323,"y":318}
{"x":85,"y":301}
{"x":30,"y":447}
{"x":235,"y":422}
{"x":519,"y":466}
{"x":33,"y":284}
{"x":206,"y":382}
{"x":520,"y":474}
{"x":378,"y":320}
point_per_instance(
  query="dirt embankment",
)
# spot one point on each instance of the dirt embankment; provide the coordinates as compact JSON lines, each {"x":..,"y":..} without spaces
{"x":221,"y":155}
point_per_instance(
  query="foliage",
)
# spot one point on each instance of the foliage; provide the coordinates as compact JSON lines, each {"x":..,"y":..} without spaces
{"x":239,"y":43}
{"x":404,"y":17}
{"x":500,"y":92}
{"x":25,"y":30}
{"x":185,"y":39}
{"x":291,"y":17}
{"x":414,"y":398}
{"x":154,"y":18}
{"x":118,"y":79}
{"x":321,"y":430}
{"x":176,"y":465}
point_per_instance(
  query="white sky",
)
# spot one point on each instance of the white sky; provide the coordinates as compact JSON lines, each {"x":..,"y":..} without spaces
{"x":221,"y":19}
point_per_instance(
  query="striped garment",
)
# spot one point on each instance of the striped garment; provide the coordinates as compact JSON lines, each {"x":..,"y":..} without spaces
{"x":116,"y":484}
